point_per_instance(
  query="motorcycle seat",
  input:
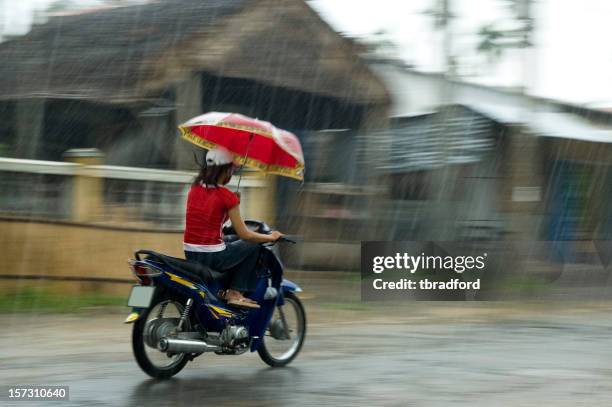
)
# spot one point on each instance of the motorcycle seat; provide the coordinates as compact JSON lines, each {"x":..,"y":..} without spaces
{"x":197,"y":272}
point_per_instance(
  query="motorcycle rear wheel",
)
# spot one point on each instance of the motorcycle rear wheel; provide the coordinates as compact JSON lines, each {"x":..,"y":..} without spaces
{"x":144,"y":354}
{"x":296,"y":319}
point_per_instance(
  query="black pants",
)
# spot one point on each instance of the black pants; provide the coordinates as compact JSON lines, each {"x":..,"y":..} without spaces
{"x":239,"y":258}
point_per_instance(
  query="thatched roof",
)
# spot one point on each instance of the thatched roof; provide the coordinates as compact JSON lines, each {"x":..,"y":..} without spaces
{"x":132,"y":53}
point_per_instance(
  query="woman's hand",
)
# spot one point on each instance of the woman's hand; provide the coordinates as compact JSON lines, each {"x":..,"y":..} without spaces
{"x":275,"y":235}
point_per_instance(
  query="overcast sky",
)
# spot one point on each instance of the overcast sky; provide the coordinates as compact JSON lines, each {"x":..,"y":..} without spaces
{"x":573,"y":54}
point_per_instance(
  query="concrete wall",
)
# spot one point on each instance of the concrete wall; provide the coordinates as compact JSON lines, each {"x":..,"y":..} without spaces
{"x":53,"y":249}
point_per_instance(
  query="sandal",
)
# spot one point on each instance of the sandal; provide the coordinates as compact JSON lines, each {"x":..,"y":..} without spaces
{"x":243,"y":302}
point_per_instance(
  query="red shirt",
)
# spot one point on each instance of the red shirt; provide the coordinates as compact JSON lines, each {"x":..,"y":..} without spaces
{"x":207,"y":208}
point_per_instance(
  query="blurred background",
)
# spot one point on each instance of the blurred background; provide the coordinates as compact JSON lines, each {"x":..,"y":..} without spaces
{"x":425,"y":120}
{"x":466,"y":120}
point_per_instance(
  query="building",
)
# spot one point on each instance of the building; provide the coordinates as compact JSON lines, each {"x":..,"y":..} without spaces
{"x":121,"y":79}
{"x":480,"y":162}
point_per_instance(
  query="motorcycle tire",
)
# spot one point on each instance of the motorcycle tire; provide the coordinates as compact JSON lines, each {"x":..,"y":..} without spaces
{"x":265,"y":354}
{"x":138,"y":347}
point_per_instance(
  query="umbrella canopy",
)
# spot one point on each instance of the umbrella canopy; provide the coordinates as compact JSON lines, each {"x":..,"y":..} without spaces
{"x":254,"y":143}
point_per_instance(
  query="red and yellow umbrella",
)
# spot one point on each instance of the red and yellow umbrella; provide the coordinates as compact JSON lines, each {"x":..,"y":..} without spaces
{"x":254,"y":143}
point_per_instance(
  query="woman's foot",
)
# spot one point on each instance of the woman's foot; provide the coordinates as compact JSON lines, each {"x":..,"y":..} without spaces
{"x":234,"y":297}
{"x":243,"y":302}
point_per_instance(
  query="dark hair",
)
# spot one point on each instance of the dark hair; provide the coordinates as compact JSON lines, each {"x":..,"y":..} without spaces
{"x":209,"y":174}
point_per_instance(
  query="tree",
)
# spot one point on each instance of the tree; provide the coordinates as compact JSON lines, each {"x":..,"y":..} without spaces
{"x":494,"y":39}
{"x":380,"y":46}
{"x":59,"y":6}
{"x":442,"y":17}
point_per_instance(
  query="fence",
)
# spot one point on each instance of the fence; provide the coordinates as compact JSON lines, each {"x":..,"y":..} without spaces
{"x":110,"y":195}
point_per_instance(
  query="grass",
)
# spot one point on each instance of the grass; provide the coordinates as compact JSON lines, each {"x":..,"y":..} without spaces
{"x":42,"y":300}
{"x":346,"y":306}
{"x":523,"y":287}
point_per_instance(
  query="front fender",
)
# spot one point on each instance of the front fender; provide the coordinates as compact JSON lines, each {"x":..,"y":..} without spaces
{"x":287,"y":286}
{"x":290,"y":286}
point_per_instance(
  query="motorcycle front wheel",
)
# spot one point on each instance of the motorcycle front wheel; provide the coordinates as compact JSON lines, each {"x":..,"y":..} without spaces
{"x":285,"y":334}
{"x":154,"y":323}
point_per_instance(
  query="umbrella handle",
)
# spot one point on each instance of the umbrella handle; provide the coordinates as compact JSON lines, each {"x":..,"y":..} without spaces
{"x":244,"y":160}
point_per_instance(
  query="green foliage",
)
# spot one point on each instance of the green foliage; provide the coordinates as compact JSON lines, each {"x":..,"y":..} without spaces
{"x":488,"y":41}
{"x":440,"y":14}
{"x":493,"y":41}
{"x":60,"y":5}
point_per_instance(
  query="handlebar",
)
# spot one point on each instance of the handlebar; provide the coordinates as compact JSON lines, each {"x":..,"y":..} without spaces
{"x":286,"y":239}
{"x":259,"y":227}
{"x":282,"y":239}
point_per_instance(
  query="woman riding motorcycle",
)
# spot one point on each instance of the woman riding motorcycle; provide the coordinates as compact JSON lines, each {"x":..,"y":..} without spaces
{"x":209,"y":205}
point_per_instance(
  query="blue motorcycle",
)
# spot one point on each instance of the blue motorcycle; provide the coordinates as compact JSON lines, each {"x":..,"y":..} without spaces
{"x":178,"y":316}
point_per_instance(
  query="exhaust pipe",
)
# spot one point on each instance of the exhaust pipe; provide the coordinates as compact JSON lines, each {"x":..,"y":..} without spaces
{"x":185,"y":346}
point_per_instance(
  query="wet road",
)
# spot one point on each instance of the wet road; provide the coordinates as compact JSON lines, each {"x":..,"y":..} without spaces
{"x":540,"y":358}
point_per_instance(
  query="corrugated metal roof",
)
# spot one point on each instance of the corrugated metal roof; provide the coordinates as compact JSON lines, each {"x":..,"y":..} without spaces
{"x":546,"y":124}
{"x":565,"y":125}
{"x":430,"y":143}
{"x":502,"y":114}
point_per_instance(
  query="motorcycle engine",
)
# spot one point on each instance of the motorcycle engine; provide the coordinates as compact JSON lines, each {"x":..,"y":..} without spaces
{"x":235,"y":339}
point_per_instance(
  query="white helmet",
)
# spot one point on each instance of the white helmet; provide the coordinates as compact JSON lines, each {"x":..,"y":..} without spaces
{"x":219,"y":156}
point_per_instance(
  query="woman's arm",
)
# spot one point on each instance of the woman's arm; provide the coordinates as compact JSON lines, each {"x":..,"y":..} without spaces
{"x":245,"y":233}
